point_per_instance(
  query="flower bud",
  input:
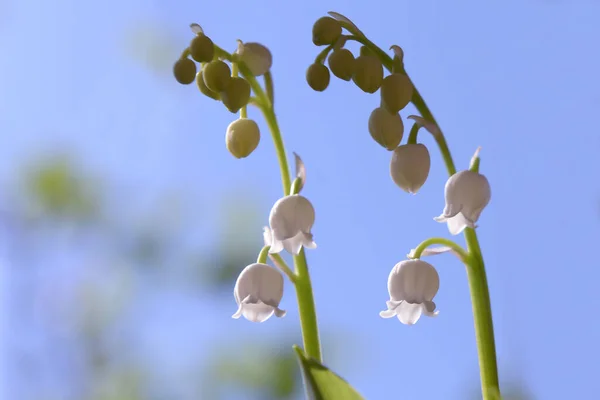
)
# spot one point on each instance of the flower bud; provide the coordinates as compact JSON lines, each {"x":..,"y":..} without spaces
{"x":184,"y":71}
{"x":217,"y":75}
{"x":412,"y":285}
{"x":386,"y":128}
{"x":317,"y":76}
{"x":202,"y":48}
{"x":410,"y":166}
{"x":291,"y":221}
{"x":341,"y":63}
{"x":203,"y":89}
{"x":257,"y":57}
{"x":466,"y":194}
{"x":326,"y":31}
{"x":368,"y":73}
{"x":242,"y":137}
{"x":258,"y":292}
{"x":236,"y":95}
{"x":396,"y":92}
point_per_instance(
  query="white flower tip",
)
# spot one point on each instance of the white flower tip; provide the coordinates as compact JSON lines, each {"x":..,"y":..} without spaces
{"x":441,"y":219}
{"x":267,"y":237}
{"x":477,"y":151}
{"x":197,"y":29}
{"x":428,"y":125}
{"x":300,"y":171}
{"x":240,"y":47}
{"x":398,"y":52}
{"x":279,"y":313}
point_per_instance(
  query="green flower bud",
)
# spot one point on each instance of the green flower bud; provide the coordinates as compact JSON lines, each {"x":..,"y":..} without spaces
{"x":410,"y":166}
{"x":236,"y":95}
{"x":341,"y":63}
{"x":217,"y":75}
{"x":202,"y":48}
{"x":184,"y":71}
{"x":326,"y":31}
{"x":203,"y":89}
{"x":317,"y":76}
{"x":242,"y":137}
{"x":368,"y":73}
{"x":386,"y":128}
{"x":396,"y":92}
{"x":257,"y":57}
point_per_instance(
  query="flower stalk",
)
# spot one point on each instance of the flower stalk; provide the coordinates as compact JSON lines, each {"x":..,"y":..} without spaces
{"x":478,"y":285}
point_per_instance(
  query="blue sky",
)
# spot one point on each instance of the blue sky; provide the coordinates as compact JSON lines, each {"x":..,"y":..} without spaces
{"x":518,"y":78}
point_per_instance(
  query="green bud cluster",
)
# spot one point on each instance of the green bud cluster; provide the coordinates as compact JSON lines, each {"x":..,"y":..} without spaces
{"x":218,"y":80}
{"x":366,"y":71}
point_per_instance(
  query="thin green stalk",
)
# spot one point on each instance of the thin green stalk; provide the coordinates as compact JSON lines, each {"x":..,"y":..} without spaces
{"x":304,"y":292}
{"x":478,"y":285}
{"x":444,"y":242}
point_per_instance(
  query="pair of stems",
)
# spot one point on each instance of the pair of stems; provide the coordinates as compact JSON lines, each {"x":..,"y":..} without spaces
{"x":473,"y":259}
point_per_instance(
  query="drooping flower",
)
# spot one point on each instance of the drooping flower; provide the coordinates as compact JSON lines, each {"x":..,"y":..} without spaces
{"x":291,"y":221}
{"x":256,"y":56}
{"x":466,"y":193}
{"x":412,"y":285}
{"x":258,"y":292}
{"x":409,"y":167}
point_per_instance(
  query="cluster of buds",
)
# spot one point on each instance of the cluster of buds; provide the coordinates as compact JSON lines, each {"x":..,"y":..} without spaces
{"x":410,"y":163}
{"x":218,"y":79}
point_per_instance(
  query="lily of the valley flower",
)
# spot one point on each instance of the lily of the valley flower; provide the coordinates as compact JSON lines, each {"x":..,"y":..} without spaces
{"x":291,"y":221}
{"x":466,"y":193}
{"x":409,"y":167}
{"x":258,"y":292}
{"x":412,"y":285}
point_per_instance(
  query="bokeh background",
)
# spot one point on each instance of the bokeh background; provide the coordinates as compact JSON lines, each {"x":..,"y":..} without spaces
{"x":124,"y":220}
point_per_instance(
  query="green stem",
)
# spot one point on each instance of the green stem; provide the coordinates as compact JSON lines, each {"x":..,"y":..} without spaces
{"x":414,"y":131}
{"x":282,"y":265}
{"x":482,"y":315}
{"x":444,"y":242}
{"x":480,"y":296}
{"x":304,"y":292}
{"x":262,"y":256}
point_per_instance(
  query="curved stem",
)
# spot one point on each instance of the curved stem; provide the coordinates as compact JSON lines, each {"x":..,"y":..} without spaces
{"x":262,"y":256}
{"x":304,"y":292}
{"x":480,"y":296}
{"x":414,"y":131}
{"x":444,"y":242}
{"x":281,"y":264}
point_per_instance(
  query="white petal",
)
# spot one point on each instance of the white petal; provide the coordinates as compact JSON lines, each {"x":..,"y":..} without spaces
{"x":238,"y":313}
{"x":387,"y":314}
{"x":267,"y":237}
{"x":294,"y":244}
{"x":308,"y":241}
{"x":279,"y":313}
{"x":259,"y":312}
{"x":408,"y":313}
{"x":442,"y":219}
{"x":430,"y":126}
{"x":457,"y":224}
{"x":391,"y":309}
{"x":276,"y":246}
{"x":429,"y":309}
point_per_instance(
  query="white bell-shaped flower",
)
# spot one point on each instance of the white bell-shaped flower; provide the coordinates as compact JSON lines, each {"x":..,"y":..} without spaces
{"x":466,"y":193}
{"x":291,"y":221}
{"x":412,"y":285}
{"x":258,"y":292}
{"x":409,"y":167}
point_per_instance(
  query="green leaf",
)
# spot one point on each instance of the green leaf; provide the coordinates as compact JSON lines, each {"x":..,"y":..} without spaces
{"x":323,"y":384}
